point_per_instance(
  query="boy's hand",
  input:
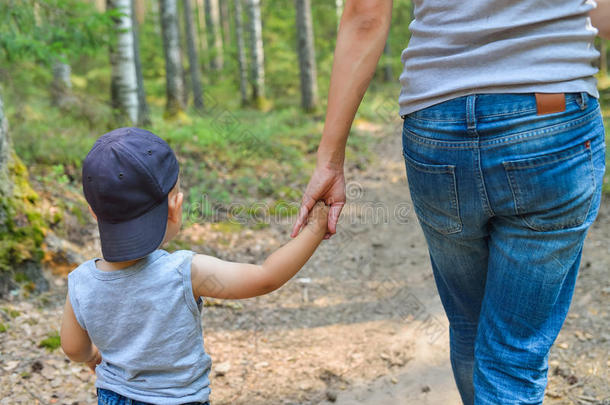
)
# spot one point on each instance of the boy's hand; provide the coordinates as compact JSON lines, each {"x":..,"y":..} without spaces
{"x":318,"y":218}
{"x":94,"y":360}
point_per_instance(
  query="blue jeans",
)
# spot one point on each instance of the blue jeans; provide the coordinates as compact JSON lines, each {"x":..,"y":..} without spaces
{"x":107,"y":397}
{"x":504,"y":197}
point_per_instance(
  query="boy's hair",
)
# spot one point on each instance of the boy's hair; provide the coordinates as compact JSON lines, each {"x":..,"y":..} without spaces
{"x":127,"y":176}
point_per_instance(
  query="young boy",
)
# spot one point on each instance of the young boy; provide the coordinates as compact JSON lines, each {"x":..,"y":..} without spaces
{"x":135,"y":316}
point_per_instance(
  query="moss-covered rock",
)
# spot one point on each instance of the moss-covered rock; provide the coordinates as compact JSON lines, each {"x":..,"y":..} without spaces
{"x":22,"y":230}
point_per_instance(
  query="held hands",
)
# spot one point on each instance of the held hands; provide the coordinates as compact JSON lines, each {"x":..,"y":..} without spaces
{"x":326,"y":184}
{"x":318,"y":217}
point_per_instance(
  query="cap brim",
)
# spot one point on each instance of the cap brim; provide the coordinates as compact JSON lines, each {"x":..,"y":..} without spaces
{"x":135,"y":238}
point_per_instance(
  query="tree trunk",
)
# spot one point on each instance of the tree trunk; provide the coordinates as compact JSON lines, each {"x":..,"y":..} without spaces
{"x":225,"y":20}
{"x":139,"y":11}
{"x":201,"y":26}
{"x":193,"y":56}
{"x":143,"y":110}
{"x":255,"y":28}
{"x":100,"y":5}
{"x":387,"y":66}
{"x":61,"y":89}
{"x":603,"y":61}
{"x":212,"y":16}
{"x":173,"y":65}
{"x":241,"y":53}
{"x":5,"y":154}
{"x":339,"y":10}
{"x":182,"y":46}
{"x":307,"y":56}
{"x":124,"y":84}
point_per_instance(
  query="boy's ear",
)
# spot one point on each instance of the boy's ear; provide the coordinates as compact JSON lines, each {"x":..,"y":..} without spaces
{"x":174,"y":206}
{"x":92,"y":213}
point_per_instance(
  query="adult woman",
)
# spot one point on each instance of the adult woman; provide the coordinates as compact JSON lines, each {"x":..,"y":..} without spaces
{"x":504,"y":148}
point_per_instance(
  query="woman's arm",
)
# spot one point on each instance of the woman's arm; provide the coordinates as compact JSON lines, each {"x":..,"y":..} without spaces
{"x":362,"y":35}
{"x":600,"y":18}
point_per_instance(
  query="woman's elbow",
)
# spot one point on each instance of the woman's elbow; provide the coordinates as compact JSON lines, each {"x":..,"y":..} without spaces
{"x":600,"y":18}
{"x":368,"y":15}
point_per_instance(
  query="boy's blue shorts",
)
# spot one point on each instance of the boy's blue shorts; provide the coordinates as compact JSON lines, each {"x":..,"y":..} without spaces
{"x":107,"y":397}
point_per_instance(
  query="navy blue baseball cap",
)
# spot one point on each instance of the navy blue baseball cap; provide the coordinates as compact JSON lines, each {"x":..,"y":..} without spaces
{"x":127,"y":176}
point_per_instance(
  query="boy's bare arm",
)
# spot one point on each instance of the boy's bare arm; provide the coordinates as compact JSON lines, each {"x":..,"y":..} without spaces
{"x":75,"y":341}
{"x":216,"y":278}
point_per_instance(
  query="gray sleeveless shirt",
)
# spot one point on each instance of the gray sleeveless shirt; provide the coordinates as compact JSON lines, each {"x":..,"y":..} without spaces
{"x":147,"y":327}
{"x":497,"y":46}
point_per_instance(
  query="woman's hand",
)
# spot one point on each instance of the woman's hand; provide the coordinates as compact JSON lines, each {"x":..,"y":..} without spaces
{"x":326,"y":184}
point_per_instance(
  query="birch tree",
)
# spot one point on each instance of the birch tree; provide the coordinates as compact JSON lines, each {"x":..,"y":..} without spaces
{"x":307,"y":56}
{"x":124,"y":85}
{"x":61,"y":88}
{"x":339,"y":10}
{"x":189,"y":29}
{"x":212,"y":20}
{"x":174,"y":85}
{"x":143,"y":110}
{"x":255,"y":29}
{"x":241,"y":52}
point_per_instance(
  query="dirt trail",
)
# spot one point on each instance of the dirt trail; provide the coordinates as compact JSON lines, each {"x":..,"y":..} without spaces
{"x":361,"y":324}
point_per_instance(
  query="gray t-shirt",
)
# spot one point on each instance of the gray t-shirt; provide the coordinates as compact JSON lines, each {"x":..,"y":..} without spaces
{"x":147,"y":326}
{"x":497,"y":46}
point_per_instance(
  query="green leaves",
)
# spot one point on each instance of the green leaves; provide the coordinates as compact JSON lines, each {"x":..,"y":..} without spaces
{"x":46,"y":30}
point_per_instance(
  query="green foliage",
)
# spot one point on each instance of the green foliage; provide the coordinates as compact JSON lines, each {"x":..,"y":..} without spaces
{"x":52,"y":342}
{"x":43,"y":30}
{"x":3,"y":327}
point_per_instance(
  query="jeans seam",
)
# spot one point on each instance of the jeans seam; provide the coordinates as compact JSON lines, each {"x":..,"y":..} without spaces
{"x":426,"y":119}
{"x":508,"y":114}
{"x":440,"y":144}
{"x":556,"y":129}
{"x":481,"y":184}
{"x":442,"y":169}
{"x":514,"y":165}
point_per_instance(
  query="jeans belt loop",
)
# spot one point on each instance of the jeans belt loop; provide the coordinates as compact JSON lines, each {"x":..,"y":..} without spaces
{"x":584,"y":97}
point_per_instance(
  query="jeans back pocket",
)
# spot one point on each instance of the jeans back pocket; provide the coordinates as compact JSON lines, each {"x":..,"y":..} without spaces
{"x":434,"y":195}
{"x":553,"y":191}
